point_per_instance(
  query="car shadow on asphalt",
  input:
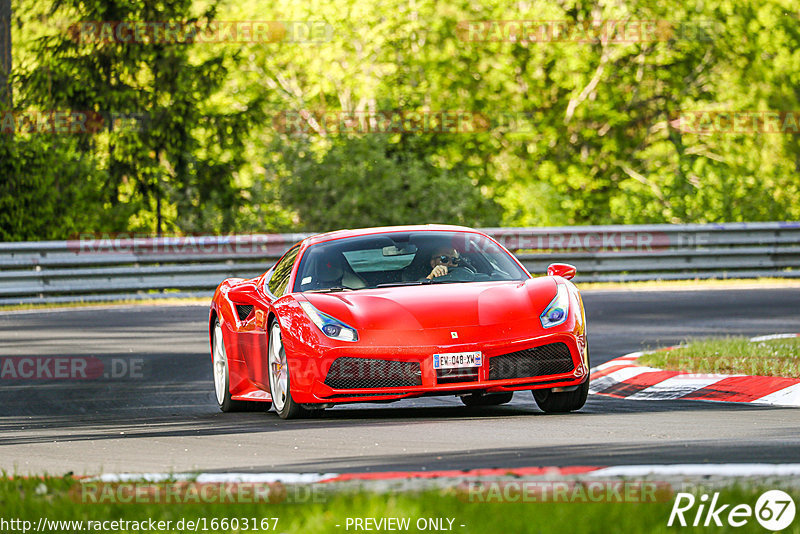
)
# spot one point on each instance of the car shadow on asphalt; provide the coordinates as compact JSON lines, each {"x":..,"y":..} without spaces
{"x":187,"y":413}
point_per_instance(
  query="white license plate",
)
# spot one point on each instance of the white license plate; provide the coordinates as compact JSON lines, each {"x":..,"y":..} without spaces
{"x":457,"y":359}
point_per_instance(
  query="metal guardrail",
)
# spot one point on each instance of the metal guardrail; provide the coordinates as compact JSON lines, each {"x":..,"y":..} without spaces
{"x":98,"y":268}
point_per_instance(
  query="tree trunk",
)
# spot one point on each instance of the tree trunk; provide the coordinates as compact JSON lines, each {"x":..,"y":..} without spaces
{"x":158,"y":210}
{"x":5,"y":54}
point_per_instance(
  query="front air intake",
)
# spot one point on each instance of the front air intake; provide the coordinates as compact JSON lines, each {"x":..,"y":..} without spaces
{"x":551,"y":359}
{"x":363,"y":373}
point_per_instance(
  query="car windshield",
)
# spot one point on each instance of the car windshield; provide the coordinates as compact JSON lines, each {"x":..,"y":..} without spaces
{"x":404,"y":258}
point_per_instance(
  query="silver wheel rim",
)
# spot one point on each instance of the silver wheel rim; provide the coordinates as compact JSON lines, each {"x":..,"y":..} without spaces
{"x":278,"y":371}
{"x":220,"y":365}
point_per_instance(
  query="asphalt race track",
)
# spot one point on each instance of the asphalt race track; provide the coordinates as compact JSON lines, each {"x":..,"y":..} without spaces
{"x":155,"y":412}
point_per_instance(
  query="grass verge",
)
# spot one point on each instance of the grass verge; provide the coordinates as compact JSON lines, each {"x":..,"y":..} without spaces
{"x":60,"y":499}
{"x":691,"y":285}
{"x":731,"y":355}
{"x":122,"y":302}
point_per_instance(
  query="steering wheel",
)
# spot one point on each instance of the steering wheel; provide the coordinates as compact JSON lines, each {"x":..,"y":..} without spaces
{"x":461,"y":273}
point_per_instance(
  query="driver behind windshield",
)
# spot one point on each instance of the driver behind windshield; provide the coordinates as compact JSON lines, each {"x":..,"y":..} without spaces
{"x":441,"y":259}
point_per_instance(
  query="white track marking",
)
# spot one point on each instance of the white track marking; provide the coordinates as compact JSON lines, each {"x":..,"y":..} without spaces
{"x":773,"y":336}
{"x":737,"y":470}
{"x":207,"y":478}
{"x":675,"y":387}
{"x":609,"y":380}
{"x":726,"y":470}
{"x":789,"y":396}
{"x":617,"y":361}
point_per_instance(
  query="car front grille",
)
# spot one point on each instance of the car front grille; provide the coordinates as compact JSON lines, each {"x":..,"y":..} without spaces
{"x":551,"y":359}
{"x":363,"y":373}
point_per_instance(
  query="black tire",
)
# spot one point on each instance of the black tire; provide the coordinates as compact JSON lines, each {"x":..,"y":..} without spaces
{"x":489,"y":399}
{"x":224,"y":400}
{"x":284,"y":404}
{"x":563,"y":402}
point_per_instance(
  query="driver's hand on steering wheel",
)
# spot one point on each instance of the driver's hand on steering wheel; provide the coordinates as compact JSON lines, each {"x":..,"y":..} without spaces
{"x":443,"y":257}
{"x":439,"y":270}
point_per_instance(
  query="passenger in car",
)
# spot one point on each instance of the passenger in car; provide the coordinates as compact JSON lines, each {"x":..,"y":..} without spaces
{"x":334,"y":271}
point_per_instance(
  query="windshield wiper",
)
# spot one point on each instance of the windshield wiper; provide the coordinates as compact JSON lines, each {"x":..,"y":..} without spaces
{"x":334,"y":289}
{"x":409,"y":283}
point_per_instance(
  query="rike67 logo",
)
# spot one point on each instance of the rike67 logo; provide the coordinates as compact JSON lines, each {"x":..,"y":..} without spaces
{"x":774,"y":510}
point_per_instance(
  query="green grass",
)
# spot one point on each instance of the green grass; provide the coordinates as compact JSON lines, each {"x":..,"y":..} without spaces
{"x":731,"y":355}
{"x":169,"y":301}
{"x":60,"y":499}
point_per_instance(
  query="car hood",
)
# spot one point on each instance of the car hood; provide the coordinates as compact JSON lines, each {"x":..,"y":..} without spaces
{"x":438,"y":305}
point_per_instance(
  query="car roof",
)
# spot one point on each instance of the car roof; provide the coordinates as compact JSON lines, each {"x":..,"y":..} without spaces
{"x":342,"y":234}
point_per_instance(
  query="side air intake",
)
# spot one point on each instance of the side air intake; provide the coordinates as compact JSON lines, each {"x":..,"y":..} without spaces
{"x":243,"y":311}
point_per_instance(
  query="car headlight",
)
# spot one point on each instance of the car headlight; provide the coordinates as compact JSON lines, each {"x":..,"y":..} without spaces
{"x":333,"y":328}
{"x":558,"y":309}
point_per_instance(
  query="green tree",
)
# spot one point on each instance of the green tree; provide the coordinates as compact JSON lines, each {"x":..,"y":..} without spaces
{"x":178,"y":162}
{"x":45,"y":188}
{"x":371,"y":181}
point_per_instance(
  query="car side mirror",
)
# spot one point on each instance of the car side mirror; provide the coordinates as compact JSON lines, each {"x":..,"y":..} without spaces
{"x":564,"y":270}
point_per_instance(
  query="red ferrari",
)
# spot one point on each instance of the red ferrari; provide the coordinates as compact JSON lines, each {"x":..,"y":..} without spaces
{"x":383,"y":314}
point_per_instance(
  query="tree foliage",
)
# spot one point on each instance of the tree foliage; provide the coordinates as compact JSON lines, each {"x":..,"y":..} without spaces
{"x":168,"y":152}
{"x":46,"y":187}
{"x":579,"y":131}
{"x":369,"y":181}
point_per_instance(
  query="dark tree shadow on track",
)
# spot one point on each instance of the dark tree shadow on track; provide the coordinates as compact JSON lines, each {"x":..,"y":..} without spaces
{"x":190,"y":413}
{"x":582,"y":454}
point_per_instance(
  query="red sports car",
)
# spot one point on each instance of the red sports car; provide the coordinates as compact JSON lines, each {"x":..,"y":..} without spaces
{"x":382,"y":314}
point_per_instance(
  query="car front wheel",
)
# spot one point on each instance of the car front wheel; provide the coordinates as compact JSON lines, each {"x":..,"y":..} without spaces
{"x":222,"y":381}
{"x":563,"y":401}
